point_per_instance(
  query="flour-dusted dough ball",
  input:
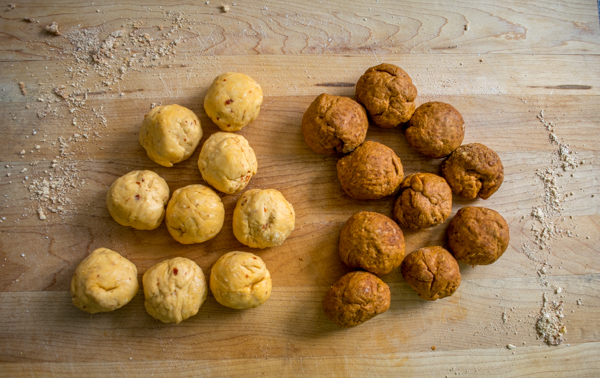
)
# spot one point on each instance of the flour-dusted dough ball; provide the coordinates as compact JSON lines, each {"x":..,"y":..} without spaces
{"x":263,"y":218}
{"x":195,"y":214}
{"x":240,"y":280}
{"x":104,"y":281}
{"x":227,"y":162}
{"x":137,"y":199}
{"x":233,"y":100}
{"x":432,"y":272}
{"x":174,"y":290}
{"x":170,"y":134}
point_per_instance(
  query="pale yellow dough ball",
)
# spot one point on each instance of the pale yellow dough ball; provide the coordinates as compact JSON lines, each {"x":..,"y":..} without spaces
{"x":227,"y":162}
{"x":240,"y":280}
{"x":195,"y":214}
{"x":174,"y":290}
{"x":170,"y":134}
{"x":233,"y":100}
{"x":137,"y":199}
{"x":104,"y":281}
{"x":263,"y":218}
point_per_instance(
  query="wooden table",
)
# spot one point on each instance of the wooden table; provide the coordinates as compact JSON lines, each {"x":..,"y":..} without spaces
{"x":498,"y":63}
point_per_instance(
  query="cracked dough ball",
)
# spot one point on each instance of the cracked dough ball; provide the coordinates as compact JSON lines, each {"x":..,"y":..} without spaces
{"x":240,"y":280}
{"x":477,"y":236}
{"x":195,"y":214}
{"x":372,"y":171}
{"x":388,"y":94}
{"x":233,"y":100}
{"x":432,"y":272}
{"x":373,"y":242}
{"x":473,"y":170}
{"x":104,"y":281}
{"x":356,"y":298}
{"x":170,"y":134}
{"x":137,"y":199}
{"x":435,"y":129}
{"x":334,"y":124}
{"x":263,"y":218}
{"x":174,"y":290}
{"x":227,"y":162}
{"x":425,"y":201}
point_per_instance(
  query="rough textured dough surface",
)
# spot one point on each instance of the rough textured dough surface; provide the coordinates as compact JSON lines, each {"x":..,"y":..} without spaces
{"x":240,"y":280}
{"x":137,"y":199}
{"x":233,"y":100}
{"x":432,"y":272}
{"x":170,"y":134}
{"x":174,"y":290}
{"x":227,"y":162}
{"x":263,"y":218}
{"x":104,"y":281}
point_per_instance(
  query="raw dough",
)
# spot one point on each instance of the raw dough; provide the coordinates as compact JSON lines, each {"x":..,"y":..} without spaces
{"x":432,"y":272}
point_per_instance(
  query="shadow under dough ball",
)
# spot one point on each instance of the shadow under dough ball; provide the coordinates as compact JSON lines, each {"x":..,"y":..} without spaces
{"x":432,"y":272}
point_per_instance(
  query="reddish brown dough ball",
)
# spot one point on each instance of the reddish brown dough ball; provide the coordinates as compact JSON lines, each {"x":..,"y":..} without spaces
{"x":477,"y":236}
{"x":334,"y":124}
{"x":373,"y":242}
{"x":432,"y":272}
{"x":435,"y":129}
{"x":388,"y":94}
{"x":356,"y":298}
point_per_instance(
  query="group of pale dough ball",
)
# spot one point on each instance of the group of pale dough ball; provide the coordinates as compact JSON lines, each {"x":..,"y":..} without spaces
{"x":175,"y":289}
{"x":373,"y":242}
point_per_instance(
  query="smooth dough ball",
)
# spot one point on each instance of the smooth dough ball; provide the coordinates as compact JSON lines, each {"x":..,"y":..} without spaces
{"x":195,"y":214}
{"x":263,"y":218}
{"x":388,"y":94}
{"x":356,"y":298}
{"x":334,"y":124}
{"x":104,"y":281}
{"x":227,"y":162}
{"x":432,"y":272}
{"x":372,"y":171}
{"x":435,"y":129}
{"x":477,"y":236}
{"x":233,"y":100}
{"x":137,"y":199}
{"x":170,"y":134}
{"x":240,"y":280}
{"x":425,"y":200}
{"x":373,"y":242}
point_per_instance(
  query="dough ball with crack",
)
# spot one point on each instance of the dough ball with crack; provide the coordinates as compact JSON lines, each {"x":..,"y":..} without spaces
{"x":170,"y":134}
{"x":473,"y":170}
{"x":432,"y":272}
{"x":388,"y":94}
{"x":104,"y":281}
{"x":233,"y":100}
{"x":137,"y":199}
{"x":334,"y":124}
{"x":174,"y":290}
{"x":240,"y":280}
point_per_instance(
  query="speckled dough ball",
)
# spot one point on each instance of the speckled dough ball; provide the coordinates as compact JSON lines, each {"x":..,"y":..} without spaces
{"x":104,"y":281}
{"x":356,"y":298}
{"x":263,"y":218}
{"x":388,"y":94}
{"x":435,"y":129}
{"x":477,"y":236}
{"x":373,"y":242}
{"x":432,"y":272}
{"x":372,"y":171}
{"x":240,"y":280}
{"x":137,"y":199}
{"x":334,"y":124}
{"x":195,"y":214}
{"x":174,"y":290}
{"x":170,"y":134}
{"x":227,"y":162}
{"x":233,"y":100}
{"x":425,"y":200}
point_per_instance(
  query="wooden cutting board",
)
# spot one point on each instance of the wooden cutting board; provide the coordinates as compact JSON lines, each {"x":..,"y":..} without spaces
{"x":500,"y":65}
